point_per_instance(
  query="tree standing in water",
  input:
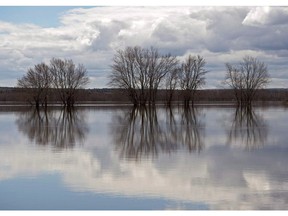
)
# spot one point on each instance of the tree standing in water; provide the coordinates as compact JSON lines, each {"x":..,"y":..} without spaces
{"x":141,"y":72}
{"x":67,"y":78}
{"x":246,"y":79}
{"x":38,"y":79}
{"x":192,"y":77}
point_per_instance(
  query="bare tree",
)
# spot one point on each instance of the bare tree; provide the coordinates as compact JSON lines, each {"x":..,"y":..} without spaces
{"x":192,"y":77}
{"x":140,"y":71}
{"x":246,"y":78}
{"x":123,"y":74}
{"x":172,"y":81}
{"x":158,"y":68}
{"x":39,"y":80}
{"x":67,"y":78}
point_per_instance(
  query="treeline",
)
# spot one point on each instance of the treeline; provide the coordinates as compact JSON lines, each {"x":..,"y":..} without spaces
{"x":143,"y":76}
{"x":143,"y":72}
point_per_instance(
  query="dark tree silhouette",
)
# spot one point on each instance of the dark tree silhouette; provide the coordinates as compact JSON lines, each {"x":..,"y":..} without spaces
{"x":38,"y":79}
{"x":246,"y":78}
{"x":140,"y":71}
{"x":67,"y":78}
{"x":171,"y":83}
{"x":192,"y":77}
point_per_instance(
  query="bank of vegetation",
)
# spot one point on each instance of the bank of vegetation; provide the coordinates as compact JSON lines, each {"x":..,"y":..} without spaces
{"x":119,"y":96}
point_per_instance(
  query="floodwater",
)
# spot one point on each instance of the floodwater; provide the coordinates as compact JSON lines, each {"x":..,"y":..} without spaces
{"x":115,"y":158}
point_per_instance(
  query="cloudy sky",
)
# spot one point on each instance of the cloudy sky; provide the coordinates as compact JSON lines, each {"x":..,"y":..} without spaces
{"x":90,"y":35}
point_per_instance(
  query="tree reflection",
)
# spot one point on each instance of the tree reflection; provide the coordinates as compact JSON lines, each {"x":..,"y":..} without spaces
{"x":60,"y":128}
{"x":248,"y":128}
{"x":146,"y":132}
{"x":191,"y":129}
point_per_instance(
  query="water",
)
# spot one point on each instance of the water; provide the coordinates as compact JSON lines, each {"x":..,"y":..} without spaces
{"x":207,"y":158}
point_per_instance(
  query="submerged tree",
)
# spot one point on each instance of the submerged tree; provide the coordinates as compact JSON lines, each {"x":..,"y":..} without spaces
{"x":192,"y":77}
{"x":123,"y":75}
{"x":171,"y":83}
{"x":159,"y":68}
{"x":140,"y":71}
{"x":38,"y":79}
{"x":67,"y":78}
{"x":62,"y":75}
{"x":246,"y":78}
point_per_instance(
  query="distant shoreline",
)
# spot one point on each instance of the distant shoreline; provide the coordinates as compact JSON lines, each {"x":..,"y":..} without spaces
{"x":127,"y":104}
{"x":106,"y":96}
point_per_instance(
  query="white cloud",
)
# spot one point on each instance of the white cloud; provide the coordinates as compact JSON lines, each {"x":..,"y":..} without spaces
{"x":210,"y":184}
{"x":90,"y":36}
{"x":267,"y":16}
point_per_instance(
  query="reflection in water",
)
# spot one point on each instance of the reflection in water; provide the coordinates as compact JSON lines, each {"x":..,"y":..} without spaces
{"x":60,"y":128}
{"x":191,"y":129}
{"x":143,"y":132}
{"x":93,"y":176}
{"x":248,"y":128}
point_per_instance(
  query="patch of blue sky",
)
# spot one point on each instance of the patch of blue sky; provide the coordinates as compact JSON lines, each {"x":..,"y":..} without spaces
{"x":45,"y":16}
{"x":46,"y":192}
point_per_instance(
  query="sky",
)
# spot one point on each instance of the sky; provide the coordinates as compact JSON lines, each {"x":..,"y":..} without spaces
{"x":91,"y":35}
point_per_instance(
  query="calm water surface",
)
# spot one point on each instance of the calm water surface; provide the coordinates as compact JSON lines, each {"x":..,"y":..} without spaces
{"x":118,"y":158}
